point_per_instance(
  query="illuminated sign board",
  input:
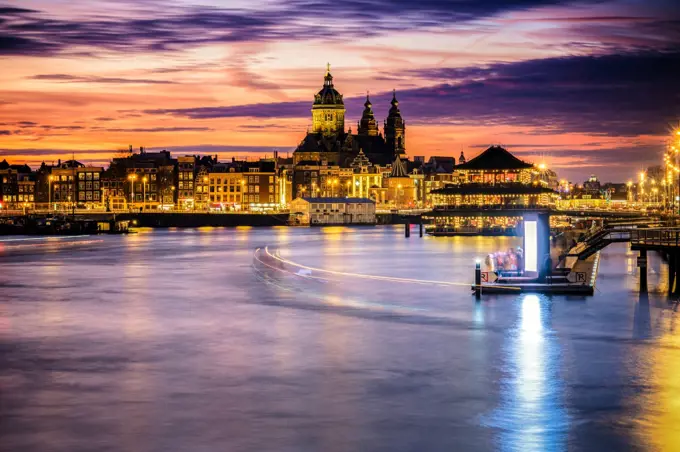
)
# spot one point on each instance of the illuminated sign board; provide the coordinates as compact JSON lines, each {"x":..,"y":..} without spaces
{"x":531,"y":245}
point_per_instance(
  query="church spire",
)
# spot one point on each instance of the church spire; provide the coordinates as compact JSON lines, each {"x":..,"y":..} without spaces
{"x":368,"y":125}
{"x":398,"y":168}
{"x":328,"y":78}
{"x":328,"y":110}
{"x":461,"y":159}
{"x":395,"y":127}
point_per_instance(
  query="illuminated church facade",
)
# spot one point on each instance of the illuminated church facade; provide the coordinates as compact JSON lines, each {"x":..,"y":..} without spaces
{"x":327,"y":148}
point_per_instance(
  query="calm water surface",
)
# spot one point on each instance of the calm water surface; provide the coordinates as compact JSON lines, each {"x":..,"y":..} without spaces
{"x":323,"y":340}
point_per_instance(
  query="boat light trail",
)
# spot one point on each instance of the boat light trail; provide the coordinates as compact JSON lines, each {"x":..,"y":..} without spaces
{"x":365,"y":276}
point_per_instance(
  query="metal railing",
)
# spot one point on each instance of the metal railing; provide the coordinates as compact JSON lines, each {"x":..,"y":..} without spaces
{"x":656,"y":237}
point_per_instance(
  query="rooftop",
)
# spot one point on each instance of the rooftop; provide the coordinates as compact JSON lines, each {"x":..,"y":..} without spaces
{"x":495,"y":157}
{"x":510,"y":188}
{"x":339,"y":200}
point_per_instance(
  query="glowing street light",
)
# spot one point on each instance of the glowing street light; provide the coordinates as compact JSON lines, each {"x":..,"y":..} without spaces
{"x":132,"y":178}
{"x":144,"y":179}
{"x":49,"y":191}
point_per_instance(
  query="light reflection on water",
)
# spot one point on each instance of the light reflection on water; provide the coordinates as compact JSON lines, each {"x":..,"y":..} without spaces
{"x":183,"y":340}
{"x":532,"y":415}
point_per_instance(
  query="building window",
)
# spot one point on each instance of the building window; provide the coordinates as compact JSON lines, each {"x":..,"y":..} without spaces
{"x":81,"y":176}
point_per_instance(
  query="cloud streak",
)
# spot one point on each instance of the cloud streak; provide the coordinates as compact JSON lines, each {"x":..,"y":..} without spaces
{"x":618,"y":95}
{"x":66,"y":78}
{"x":171,"y":28}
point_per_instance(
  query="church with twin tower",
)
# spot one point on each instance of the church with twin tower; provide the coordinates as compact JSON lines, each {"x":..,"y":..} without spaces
{"x":328,"y":144}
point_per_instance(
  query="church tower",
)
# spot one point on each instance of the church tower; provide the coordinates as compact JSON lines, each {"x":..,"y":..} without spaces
{"x":368,"y":125}
{"x":461,"y":159}
{"x":395,"y":128}
{"x":328,"y":111}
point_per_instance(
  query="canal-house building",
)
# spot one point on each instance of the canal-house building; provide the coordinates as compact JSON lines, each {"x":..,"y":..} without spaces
{"x":185,"y":184}
{"x":17,"y":186}
{"x":74,"y":185}
{"x":261,"y":189}
{"x":491,"y":194}
{"x":226,"y":182}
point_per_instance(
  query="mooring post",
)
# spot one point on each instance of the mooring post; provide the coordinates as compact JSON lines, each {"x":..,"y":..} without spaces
{"x":421,"y":228}
{"x":642,"y":263}
{"x":670,"y":257}
{"x":478,"y":280}
{"x":675,"y":255}
{"x":407,"y":230}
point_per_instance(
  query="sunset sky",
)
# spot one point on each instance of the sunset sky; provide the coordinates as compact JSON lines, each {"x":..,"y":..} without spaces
{"x":586,"y":87}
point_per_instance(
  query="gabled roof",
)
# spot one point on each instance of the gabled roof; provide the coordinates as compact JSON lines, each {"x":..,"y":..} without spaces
{"x":495,"y":157}
{"x":440,"y":164}
{"x":398,"y":168}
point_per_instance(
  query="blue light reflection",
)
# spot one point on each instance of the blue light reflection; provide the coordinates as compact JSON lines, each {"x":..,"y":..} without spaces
{"x":532,"y":415}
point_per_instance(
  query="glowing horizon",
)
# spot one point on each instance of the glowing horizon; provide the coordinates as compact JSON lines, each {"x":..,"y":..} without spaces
{"x":585,"y":89}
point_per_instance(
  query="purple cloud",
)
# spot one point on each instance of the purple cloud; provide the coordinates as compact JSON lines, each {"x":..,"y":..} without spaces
{"x":616,"y":95}
{"x":161,"y":129}
{"x":167,"y":28}
{"x":66,"y":78}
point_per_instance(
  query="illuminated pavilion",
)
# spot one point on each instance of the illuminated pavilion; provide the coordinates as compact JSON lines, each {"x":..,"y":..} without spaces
{"x":492,"y":192}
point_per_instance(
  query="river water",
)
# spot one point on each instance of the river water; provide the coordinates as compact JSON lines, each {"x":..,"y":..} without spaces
{"x":329,"y":339}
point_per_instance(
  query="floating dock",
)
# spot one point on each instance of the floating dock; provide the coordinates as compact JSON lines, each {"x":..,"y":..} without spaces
{"x":578,"y":278}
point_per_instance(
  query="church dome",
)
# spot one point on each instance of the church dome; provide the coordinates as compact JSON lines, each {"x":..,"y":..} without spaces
{"x":328,"y":94}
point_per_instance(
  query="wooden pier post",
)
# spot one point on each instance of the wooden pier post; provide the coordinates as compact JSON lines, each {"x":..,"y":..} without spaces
{"x":670,"y":257}
{"x":478,"y":280}
{"x":675,"y":257}
{"x":642,"y":264}
{"x":407,"y":230}
{"x":421,"y":228}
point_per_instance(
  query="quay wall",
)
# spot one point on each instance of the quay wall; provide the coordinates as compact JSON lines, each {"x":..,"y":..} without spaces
{"x":194,"y":220}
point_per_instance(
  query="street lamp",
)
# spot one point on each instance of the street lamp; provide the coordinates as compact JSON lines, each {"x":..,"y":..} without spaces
{"x":173,"y":195}
{"x":144,"y":179}
{"x":132,"y":178}
{"x":49,"y":192}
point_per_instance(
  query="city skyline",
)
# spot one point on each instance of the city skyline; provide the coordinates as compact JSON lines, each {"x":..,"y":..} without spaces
{"x":583,"y":88}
